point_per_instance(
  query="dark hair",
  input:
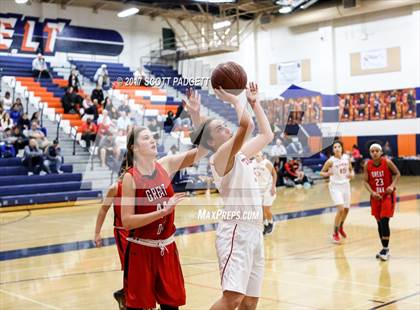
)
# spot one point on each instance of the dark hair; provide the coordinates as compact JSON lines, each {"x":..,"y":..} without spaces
{"x":201,"y":135}
{"x":128,"y":160}
{"x":339,"y":142}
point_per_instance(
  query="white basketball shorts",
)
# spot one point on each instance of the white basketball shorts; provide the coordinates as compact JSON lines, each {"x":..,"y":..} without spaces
{"x":340,"y":194}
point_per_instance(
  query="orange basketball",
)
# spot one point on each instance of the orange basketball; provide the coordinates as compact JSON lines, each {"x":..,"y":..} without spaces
{"x":230,"y":76}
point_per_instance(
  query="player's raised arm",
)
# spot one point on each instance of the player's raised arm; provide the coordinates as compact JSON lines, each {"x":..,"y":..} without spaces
{"x":173,"y":163}
{"x":193,"y":103}
{"x":265,"y":135}
{"x":131,"y":220}
{"x":106,"y":204}
{"x":225,"y":155}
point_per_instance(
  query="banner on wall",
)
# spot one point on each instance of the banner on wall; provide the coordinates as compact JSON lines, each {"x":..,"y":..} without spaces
{"x":289,"y":72}
{"x":29,"y":35}
{"x":373,"y":59}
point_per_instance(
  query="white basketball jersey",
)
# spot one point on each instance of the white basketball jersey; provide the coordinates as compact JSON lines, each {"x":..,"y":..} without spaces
{"x":239,"y":189}
{"x":264,"y":177}
{"x":340,"y":169}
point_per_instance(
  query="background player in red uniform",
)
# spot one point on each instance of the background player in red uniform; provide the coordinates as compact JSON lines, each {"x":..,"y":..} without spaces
{"x":113,"y":196}
{"x":152,"y":271}
{"x":378,"y":180}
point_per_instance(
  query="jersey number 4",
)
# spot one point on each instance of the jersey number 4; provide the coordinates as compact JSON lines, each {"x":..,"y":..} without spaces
{"x":161,"y":226}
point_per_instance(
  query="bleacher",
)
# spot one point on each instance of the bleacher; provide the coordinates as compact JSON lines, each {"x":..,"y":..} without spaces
{"x":207,"y":100}
{"x":115,"y":70}
{"x":19,"y":66}
{"x":17,"y":188}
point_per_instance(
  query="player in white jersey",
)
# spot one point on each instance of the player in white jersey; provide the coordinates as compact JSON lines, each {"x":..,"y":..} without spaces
{"x":239,"y":241}
{"x":267,"y":178}
{"x":339,"y":169}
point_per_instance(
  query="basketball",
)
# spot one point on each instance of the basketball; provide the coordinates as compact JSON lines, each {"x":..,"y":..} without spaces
{"x":230,"y":76}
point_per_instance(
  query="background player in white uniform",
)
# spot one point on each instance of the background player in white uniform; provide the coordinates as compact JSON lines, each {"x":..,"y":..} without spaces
{"x":239,"y":241}
{"x":267,"y":178}
{"x":340,"y":171}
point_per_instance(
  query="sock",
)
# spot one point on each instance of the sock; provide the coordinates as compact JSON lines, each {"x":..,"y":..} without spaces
{"x":385,"y":243}
{"x":335,"y":229}
{"x":385,"y":231}
{"x":270,"y":221}
{"x":341,"y":225}
{"x":265,"y":222}
{"x":379,"y":230}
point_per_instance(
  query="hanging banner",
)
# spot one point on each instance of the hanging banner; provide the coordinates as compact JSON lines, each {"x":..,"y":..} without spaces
{"x":374,"y":59}
{"x":289,"y":72}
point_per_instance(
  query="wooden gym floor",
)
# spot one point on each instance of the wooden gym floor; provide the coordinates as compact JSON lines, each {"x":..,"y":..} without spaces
{"x":47,"y":260}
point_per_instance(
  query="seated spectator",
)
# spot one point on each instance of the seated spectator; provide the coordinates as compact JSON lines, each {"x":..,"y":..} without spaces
{"x":36,"y":133}
{"x":6,"y":145}
{"x":97,"y":94}
{"x":168,"y":124}
{"x":106,"y":102}
{"x":7,"y":101}
{"x":68,"y":101}
{"x":33,"y":158}
{"x":7,"y":150}
{"x":124,"y":107}
{"x":295,"y":147}
{"x":73,"y":80}
{"x":35,"y":118}
{"x":102,"y":77}
{"x":15,"y":113}
{"x":40,"y":68}
{"x":278,"y":150}
{"x":293,"y":172}
{"x":123,"y":122}
{"x":89,"y":130}
{"x":53,"y":159}
{"x":356,"y":159}
{"x":387,"y":150}
{"x":139,"y":77}
{"x":173,"y":150}
{"x":6,"y":122}
{"x":19,"y":104}
{"x":104,"y":119}
{"x":182,"y":117}
{"x":278,"y":166}
{"x":106,"y":148}
{"x":121,"y":143}
{"x":19,"y":139}
{"x":89,"y":107}
{"x":153,"y":125}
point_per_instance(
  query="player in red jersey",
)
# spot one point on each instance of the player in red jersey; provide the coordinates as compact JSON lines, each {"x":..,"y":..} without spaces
{"x":152,"y":272}
{"x":113,"y":196}
{"x":379,"y":181}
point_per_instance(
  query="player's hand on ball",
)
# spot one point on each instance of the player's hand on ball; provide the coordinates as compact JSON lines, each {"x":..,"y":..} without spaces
{"x":98,"y":240}
{"x":194,"y":101}
{"x":170,"y":206}
{"x":376,"y":196}
{"x":390,"y":189}
{"x":225,"y":96}
{"x":252,"y":93}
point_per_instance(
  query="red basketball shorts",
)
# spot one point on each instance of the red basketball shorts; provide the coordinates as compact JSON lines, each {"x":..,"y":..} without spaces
{"x":150,"y":277}
{"x":384,"y":207}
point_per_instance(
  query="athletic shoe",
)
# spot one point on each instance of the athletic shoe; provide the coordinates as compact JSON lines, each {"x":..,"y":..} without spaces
{"x":119,"y":297}
{"x":384,"y":255}
{"x":342,"y":232}
{"x":270,"y":228}
{"x":335,"y":238}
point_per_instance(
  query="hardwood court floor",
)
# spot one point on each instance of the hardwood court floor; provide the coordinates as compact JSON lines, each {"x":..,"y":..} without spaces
{"x":303,"y":269}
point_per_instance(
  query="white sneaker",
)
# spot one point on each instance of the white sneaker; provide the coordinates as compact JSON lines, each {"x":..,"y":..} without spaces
{"x":384,"y":255}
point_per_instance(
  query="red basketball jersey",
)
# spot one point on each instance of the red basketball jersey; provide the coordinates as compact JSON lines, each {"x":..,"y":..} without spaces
{"x":117,"y":206}
{"x":380,"y":177}
{"x":152,"y":194}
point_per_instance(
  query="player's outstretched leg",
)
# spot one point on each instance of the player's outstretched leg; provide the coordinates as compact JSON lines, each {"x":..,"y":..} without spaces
{"x":248,"y":303}
{"x":384,"y":253}
{"x":229,"y":301}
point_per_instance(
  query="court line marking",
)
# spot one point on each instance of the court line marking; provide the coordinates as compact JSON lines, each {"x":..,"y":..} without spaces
{"x":88,"y":244}
{"x":395,"y":301}
{"x":29,"y":299}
